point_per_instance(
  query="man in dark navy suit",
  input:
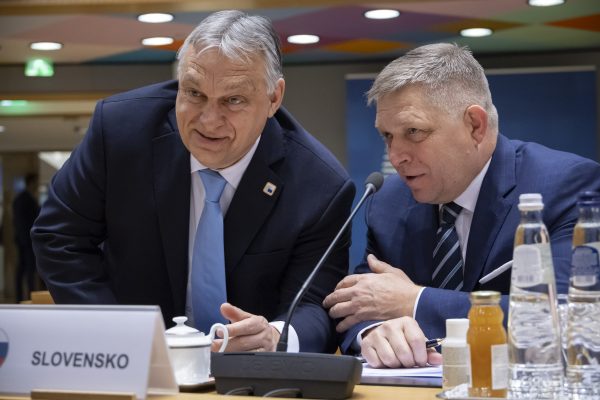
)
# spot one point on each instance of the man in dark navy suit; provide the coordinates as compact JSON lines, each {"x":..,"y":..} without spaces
{"x":25,"y":210}
{"x":449,"y":216}
{"x":120,"y":222}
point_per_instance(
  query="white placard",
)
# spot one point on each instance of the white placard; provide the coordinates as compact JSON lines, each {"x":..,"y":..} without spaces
{"x":84,"y":348}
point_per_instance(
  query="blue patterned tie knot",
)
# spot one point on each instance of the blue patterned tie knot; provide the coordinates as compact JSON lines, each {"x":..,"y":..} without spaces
{"x":214,"y":184}
{"x":449,"y":213}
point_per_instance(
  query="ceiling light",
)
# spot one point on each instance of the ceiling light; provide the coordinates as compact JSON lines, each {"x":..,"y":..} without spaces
{"x":382,"y":14}
{"x":46,"y":46}
{"x":303,"y":39}
{"x":157,"y":41}
{"x":2,"y":128}
{"x":545,"y":3}
{"x":13,"y":103}
{"x":155,"y":18}
{"x":475,"y":32}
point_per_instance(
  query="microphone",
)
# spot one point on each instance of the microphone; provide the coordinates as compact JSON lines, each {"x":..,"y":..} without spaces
{"x":282,"y":374}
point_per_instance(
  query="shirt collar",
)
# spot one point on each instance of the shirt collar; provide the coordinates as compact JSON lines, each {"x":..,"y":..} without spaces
{"x":232,"y":174}
{"x":468,"y":199}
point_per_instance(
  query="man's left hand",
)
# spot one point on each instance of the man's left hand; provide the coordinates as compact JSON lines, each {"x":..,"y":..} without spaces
{"x":247,"y":332}
{"x":385,"y":294}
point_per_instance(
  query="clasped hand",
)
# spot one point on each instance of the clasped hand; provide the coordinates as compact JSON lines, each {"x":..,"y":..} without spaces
{"x":247,"y":332}
{"x":384,"y":294}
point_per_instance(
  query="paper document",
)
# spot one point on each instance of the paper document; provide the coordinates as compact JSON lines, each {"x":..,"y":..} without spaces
{"x":430,"y":372}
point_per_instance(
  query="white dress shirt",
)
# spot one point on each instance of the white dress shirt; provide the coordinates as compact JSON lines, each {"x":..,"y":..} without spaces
{"x":233,"y":175}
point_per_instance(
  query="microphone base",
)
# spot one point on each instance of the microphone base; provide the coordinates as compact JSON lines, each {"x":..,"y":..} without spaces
{"x":279,"y":374}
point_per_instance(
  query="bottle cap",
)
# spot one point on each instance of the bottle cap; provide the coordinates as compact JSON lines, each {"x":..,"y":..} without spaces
{"x":485,"y":297}
{"x":589,"y":198}
{"x":456,"y":329}
{"x":530,"y":202}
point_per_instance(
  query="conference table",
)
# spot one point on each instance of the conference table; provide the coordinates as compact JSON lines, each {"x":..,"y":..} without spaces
{"x":362,"y":392}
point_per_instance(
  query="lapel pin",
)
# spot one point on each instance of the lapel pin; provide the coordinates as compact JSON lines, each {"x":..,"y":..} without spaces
{"x":269,"y":189}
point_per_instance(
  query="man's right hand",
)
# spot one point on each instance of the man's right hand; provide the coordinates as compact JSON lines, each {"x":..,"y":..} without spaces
{"x":397,"y":343}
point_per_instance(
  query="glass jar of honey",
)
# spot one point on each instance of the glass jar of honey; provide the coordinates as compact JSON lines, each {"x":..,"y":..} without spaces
{"x":486,"y":338}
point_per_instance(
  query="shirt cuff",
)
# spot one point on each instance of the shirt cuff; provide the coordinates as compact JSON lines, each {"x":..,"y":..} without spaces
{"x":293,"y":345}
{"x":417,"y":303}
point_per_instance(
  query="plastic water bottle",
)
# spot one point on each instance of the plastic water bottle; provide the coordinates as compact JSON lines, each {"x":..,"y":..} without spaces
{"x":583,"y":323}
{"x":536,"y":369}
{"x":456,"y":365}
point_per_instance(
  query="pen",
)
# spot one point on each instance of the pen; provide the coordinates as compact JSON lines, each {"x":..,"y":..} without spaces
{"x":496,"y":272}
{"x":433,"y":343}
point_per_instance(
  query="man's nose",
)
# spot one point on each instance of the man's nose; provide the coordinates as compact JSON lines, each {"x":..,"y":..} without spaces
{"x":211,"y":116}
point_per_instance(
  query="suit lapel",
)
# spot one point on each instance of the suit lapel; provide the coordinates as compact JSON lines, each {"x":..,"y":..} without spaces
{"x":172,"y":193}
{"x":251,"y":205}
{"x":491,"y":210}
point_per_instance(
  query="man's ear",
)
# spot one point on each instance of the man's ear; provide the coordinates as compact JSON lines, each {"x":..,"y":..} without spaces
{"x":476,"y":119}
{"x":277,"y":97}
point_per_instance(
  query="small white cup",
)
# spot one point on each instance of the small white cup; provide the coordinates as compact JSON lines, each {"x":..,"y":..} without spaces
{"x":189,"y":351}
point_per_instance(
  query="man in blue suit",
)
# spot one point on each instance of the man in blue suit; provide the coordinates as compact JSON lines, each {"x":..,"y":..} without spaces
{"x":120,"y":221}
{"x":435,"y":113}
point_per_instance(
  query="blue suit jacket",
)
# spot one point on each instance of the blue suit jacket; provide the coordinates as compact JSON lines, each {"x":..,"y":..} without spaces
{"x":401,"y":231}
{"x":115,"y":226}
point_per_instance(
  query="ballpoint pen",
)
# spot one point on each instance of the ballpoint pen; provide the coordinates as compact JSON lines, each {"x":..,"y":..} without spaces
{"x":496,"y":272}
{"x":433,"y":343}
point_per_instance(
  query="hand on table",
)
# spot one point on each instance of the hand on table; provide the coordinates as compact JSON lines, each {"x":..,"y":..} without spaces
{"x":247,"y":332}
{"x":384,"y":294}
{"x":398,"y":343}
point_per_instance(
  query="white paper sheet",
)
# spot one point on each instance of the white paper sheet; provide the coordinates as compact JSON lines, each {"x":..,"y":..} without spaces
{"x":431,"y":372}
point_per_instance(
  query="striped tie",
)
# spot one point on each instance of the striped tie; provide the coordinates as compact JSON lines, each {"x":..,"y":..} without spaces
{"x":447,"y":256}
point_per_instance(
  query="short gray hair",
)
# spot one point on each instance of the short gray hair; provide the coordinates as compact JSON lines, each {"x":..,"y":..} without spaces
{"x":450,"y":75}
{"x":238,"y":36}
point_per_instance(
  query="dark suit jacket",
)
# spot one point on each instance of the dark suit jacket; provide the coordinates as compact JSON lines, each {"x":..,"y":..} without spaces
{"x":25,"y":210}
{"x":401,"y":231}
{"x":115,"y":226}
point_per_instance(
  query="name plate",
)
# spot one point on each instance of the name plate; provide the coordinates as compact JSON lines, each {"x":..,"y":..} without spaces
{"x":112,"y":349}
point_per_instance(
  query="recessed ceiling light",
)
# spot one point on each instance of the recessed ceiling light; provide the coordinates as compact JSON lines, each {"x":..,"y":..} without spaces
{"x":476,"y":32}
{"x":382,"y":14}
{"x":303,"y":39}
{"x":46,"y":46}
{"x":545,"y":3}
{"x":157,"y":41}
{"x":2,"y":128}
{"x":155,"y":18}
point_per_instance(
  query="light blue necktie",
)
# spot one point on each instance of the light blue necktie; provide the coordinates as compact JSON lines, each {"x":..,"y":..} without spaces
{"x":209,"y":289}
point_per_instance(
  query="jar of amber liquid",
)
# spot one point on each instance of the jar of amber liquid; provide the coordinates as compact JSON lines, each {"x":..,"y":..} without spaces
{"x":486,"y":339}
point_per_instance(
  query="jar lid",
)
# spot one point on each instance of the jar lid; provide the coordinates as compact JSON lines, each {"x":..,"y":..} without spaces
{"x":485,"y":296}
{"x":182,"y":335}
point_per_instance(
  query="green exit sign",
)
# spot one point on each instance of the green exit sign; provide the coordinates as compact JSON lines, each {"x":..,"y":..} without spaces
{"x":39,"y":67}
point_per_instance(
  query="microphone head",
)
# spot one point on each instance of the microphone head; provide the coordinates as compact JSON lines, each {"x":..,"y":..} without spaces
{"x":375,"y":180}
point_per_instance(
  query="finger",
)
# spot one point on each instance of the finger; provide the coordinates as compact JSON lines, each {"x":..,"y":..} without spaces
{"x":377,"y":266}
{"x":233,"y":313}
{"x":348,"y":281}
{"x":216,"y":345}
{"x":370,"y":355}
{"x":342,"y":309}
{"x":249,"y":326}
{"x":415,"y":339}
{"x":346,"y":323}
{"x":337,"y":296}
{"x":433,"y":357}
{"x":384,"y":351}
